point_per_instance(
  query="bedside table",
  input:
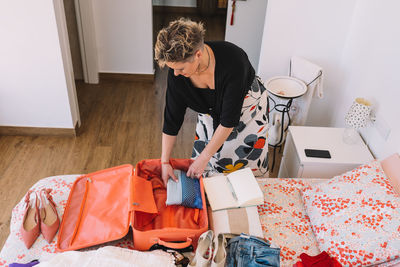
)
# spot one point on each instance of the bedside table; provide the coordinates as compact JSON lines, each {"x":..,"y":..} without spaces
{"x":344,"y":157}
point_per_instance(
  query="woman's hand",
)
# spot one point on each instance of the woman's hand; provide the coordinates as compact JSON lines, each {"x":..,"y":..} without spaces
{"x":167,"y":172}
{"x":196,"y":169}
{"x":168,"y":142}
{"x":219,"y":137}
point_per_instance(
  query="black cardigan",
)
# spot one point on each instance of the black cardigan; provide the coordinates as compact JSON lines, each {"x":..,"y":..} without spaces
{"x":233,"y":77}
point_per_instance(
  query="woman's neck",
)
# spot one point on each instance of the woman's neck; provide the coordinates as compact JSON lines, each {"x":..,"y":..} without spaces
{"x":206,"y":62}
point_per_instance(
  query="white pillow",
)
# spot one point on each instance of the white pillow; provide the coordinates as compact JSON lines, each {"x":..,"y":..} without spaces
{"x":356,"y":216}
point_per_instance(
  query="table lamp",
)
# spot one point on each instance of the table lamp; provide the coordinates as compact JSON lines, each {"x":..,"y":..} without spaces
{"x":356,"y":118}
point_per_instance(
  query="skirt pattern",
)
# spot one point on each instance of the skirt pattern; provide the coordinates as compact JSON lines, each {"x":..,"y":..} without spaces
{"x":247,"y":145}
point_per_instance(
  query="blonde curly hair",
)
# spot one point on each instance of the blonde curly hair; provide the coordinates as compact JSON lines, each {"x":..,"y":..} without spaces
{"x":179,"y":41}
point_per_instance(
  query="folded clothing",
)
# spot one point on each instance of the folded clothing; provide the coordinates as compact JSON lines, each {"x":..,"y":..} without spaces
{"x":246,"y":250}
{"x":236,"y":221}
{"x":185,"y":192}
{"x":29,"y":264}
{"x":108,"y":256}
{"x":321,"y":260}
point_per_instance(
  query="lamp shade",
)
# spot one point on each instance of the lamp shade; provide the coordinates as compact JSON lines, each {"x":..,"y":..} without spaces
{"x":358,"y":114}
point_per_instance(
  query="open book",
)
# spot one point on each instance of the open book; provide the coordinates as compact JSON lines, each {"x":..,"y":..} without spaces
{"x":237,"y":189}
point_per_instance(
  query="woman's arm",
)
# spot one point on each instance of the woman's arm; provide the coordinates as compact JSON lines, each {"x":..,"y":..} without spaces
{"x":197,"y":168}
{"x":168,"y":142}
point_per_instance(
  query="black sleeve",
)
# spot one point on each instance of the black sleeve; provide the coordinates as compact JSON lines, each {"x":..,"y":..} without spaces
{"x":236,"y":87}
{"x":175,"y":106}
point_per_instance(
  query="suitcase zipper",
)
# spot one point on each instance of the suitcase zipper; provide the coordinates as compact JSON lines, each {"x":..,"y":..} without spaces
{"x":88,"y":180}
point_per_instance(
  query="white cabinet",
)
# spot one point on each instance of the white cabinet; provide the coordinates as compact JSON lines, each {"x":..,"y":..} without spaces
{"x":344,"y":157}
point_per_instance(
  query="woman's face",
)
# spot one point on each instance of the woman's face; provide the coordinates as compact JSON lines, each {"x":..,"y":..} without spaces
{"x":186,"y":68}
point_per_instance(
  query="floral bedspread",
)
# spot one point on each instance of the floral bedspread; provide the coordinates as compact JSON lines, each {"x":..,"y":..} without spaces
{"x":284,"y":220}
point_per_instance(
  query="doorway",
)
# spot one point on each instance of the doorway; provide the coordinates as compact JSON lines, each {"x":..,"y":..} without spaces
{"x":212,"y":13}
{"x":73,"y":36}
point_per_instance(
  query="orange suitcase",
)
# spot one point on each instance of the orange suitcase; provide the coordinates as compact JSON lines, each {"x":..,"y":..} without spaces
{"x":103,"y":205}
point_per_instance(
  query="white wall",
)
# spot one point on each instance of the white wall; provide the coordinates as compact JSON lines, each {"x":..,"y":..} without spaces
{"x":247,"y":30}
{"x":124,"y":33}
{"x":371,"y":64}
{"x":185,"y":3}
{"x":33,"y":88}
{"x":357,"y":44}
{"x":316,"y":30}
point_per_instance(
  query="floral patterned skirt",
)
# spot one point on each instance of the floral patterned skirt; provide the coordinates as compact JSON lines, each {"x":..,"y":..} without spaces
{"x":247,"y":145}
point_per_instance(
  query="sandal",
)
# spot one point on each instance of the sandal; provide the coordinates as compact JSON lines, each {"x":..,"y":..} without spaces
{"x":220,"y":251}
{"x":203,"y":255}
{"x":30,"y":229}
{"x":49,"y":221}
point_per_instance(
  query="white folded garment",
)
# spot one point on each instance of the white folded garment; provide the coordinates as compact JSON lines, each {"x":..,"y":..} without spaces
{"x":109,"y":256}
{"x":306,"y":71}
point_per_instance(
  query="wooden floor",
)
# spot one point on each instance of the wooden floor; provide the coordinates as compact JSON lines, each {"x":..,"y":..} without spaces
{"x":121,"y":123}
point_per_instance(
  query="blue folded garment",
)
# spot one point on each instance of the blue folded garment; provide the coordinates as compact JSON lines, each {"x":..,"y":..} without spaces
{"x":185,"y":192}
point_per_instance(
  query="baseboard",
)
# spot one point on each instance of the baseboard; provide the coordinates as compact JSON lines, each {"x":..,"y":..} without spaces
{"x":35,"y":131}
{"x":126,"y":77}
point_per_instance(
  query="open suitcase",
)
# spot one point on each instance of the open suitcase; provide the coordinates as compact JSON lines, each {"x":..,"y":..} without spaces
{"x":103,"y":205}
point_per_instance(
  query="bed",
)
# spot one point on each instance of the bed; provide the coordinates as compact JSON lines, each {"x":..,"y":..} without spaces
{"x":355,"y":216}
{"x":284,"y":218}
{"x":285,"y":221}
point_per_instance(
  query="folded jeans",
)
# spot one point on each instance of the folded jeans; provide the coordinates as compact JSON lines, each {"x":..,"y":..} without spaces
{"x":250,"y":251}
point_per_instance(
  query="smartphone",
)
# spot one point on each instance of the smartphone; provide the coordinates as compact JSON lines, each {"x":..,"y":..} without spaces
{"x":316,"y":153}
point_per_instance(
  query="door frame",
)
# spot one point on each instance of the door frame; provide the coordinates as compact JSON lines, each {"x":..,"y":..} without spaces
{"x":87,"y":40}
{"x":67,"y":61}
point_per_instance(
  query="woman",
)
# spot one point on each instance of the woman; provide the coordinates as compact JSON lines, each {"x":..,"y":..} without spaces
{"x":216,"y":80}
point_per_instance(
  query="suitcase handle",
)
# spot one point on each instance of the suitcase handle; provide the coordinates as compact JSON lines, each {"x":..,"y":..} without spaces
{"x":175,"y":245}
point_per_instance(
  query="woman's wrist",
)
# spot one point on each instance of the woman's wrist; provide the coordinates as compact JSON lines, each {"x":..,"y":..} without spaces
{"x":204,"y":155}
{"x":165,"y":160}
